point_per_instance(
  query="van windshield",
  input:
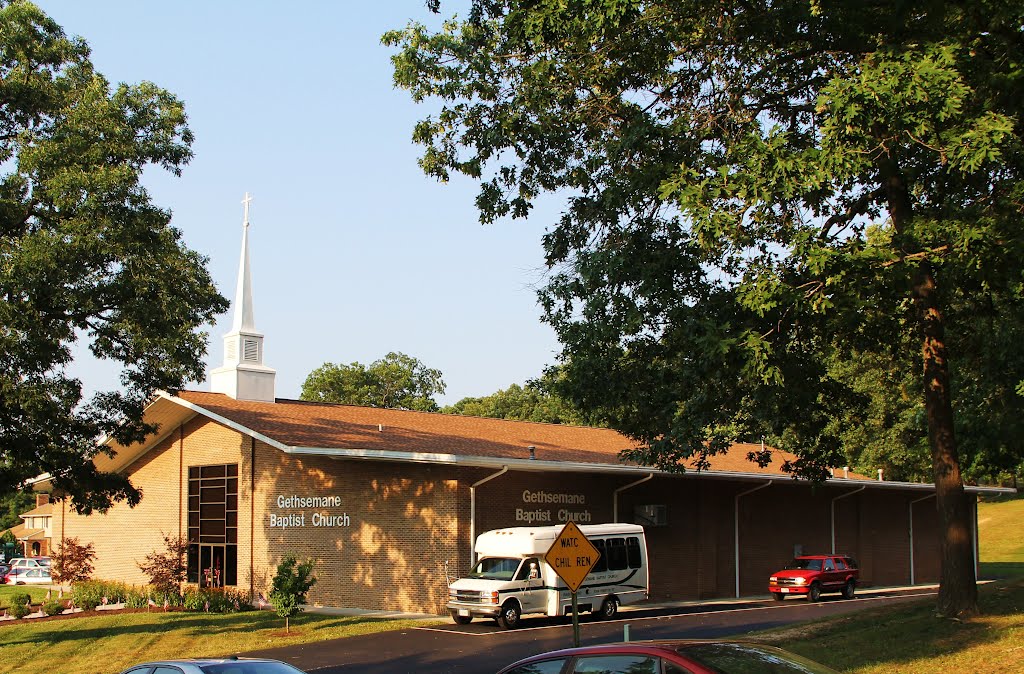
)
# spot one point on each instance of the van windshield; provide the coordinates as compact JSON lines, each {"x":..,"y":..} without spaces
{"x":495,"y":568}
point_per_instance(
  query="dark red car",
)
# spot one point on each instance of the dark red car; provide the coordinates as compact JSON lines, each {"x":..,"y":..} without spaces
{"x":668,"y":657}
{"x":813,"y":575}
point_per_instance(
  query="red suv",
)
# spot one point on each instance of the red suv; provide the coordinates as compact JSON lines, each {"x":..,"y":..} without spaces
{"x":812,"y":575}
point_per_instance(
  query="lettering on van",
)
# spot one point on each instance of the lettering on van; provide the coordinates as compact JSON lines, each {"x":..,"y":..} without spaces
{"x":543,"y":515}
{"x":294,"y":512}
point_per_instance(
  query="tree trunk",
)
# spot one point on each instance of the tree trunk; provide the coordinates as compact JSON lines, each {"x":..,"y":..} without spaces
{"x":958,"y":589}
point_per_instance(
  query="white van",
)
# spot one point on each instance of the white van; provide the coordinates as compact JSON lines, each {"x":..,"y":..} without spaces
{"x":511,"y":577}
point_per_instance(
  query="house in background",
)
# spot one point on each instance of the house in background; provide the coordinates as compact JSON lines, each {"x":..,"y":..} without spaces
{"x":34,"y":534}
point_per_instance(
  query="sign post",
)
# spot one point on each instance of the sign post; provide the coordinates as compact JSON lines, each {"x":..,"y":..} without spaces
{"x":572,"y":557}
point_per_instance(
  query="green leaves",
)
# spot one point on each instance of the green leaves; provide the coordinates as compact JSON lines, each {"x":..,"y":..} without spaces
{"x":290,"y":585}
{"x":84,"y":254}
{"x":396,"y":381}
{"x":752,"y":194}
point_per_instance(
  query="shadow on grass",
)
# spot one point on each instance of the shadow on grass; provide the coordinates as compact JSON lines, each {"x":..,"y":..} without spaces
{"x":903,"y":636}
{"x":1001,"y":570}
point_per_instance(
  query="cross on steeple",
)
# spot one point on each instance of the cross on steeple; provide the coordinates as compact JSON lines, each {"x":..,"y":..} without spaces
{"x":245,"y":202}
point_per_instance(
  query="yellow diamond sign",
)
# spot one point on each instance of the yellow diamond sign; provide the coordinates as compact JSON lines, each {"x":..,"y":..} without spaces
{"x":572,"y":556}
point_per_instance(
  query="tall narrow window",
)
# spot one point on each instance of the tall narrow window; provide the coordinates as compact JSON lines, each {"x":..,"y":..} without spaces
{"x":213,"y":525}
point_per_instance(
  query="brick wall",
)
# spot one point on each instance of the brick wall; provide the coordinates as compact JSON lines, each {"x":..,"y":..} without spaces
{"x":401,"y":528}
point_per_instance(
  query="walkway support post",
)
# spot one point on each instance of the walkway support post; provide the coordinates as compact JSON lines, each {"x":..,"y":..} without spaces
{"x":833,"y":513}
{"x":472,"y":512}
{"x":736,"y":528}
{"x":910,"y":507}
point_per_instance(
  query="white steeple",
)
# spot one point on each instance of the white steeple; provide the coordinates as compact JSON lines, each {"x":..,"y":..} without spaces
{"x":243,"y":375}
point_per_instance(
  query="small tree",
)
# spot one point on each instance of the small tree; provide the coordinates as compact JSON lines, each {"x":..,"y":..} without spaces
{"x":73,"y":561}
{"x":290,"y":585}
{"x":168,"y":569}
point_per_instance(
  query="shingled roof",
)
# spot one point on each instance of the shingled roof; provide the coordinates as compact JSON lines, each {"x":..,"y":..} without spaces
{"x":346,"y":430}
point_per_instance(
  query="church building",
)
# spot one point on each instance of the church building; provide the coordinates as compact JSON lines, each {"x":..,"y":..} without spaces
{"x":388,"y":502}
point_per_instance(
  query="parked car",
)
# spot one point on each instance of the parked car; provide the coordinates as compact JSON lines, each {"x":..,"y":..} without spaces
{"x":669,"y":657}
{"x":214,"y":666}
{"x":24,"y":563}
{"x":813,"y":575}
{"x":25,"y":576}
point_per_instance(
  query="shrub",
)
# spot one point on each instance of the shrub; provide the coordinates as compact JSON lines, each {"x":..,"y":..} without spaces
{"x":167,"y":569}
{"x":53,"y":607}
{"x":20,"y":603}
{"x":72,"y":562}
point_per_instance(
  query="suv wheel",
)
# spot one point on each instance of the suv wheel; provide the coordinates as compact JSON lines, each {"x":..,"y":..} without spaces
{"x":815,"y":592}
{"x":778,"y":596}
{"x":849,"y":589}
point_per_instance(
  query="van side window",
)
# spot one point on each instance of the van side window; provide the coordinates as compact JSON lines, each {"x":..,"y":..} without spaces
{"x":633,"y":552}
{"x":524,"y":570}
{"x":602,"y":562}
{"x":617,"y":560}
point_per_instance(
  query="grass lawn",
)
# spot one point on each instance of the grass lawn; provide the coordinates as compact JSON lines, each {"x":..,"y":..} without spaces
{"x":7,"y":591}
{"x":1001,"y":539}
{"x":911,"y":640}
{"x":106,"y":644}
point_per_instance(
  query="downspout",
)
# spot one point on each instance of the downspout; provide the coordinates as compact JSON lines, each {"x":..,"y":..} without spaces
{"x":472,"y":512}
{"x":833,"y":514}
{"x":615,"y":495}
{"x":736,"y":529}
{"x":911,"y":509}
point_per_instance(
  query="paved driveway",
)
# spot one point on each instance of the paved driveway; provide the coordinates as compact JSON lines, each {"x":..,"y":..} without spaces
{"x":482,"y":648}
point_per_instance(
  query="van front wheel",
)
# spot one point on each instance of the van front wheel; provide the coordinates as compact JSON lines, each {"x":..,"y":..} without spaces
{"x":461,"y":619}
{"x":609,"y":607}
{"x":508,"y":619}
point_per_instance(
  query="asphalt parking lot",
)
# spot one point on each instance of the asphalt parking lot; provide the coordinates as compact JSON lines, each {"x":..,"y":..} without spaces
{"x":482,"y":647}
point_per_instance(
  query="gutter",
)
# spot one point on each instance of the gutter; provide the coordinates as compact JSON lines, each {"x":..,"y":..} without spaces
{"x":736,"y":529}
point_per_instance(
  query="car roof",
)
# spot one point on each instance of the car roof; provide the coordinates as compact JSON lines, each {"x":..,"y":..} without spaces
{"x":648,"y":647}
{"x":203,"y":661}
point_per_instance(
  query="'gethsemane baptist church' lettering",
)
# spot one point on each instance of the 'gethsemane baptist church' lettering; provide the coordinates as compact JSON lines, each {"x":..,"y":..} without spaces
{"x":540,"y":516}
{"x":302,"y":518}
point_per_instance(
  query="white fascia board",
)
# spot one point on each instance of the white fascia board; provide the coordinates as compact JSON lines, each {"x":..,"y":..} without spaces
{"x":576,"y":467}
{"x":245,"y":430}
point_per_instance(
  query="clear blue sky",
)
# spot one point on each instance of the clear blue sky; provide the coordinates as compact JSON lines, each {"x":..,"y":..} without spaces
{"x":354,"y":251}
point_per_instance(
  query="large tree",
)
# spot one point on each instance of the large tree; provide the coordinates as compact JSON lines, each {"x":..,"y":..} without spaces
{"x":86,"y":257}
{"x":752,"y":190}
{"x":520,"y":403}
{"x":395,"y":381}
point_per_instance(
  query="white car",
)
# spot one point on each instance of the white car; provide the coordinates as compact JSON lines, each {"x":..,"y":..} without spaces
{"x":24,"y":576}
{"x":26,"y":563}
